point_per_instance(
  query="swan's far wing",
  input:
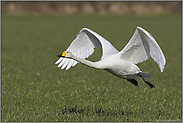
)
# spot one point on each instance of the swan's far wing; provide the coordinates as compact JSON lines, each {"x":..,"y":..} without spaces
{"x":141,"y":46}
{"x":83,"y":46}
{"x":107,"y":47}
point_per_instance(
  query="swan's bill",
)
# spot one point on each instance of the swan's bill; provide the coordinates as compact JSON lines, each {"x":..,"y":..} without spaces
{"x":63,"y":54}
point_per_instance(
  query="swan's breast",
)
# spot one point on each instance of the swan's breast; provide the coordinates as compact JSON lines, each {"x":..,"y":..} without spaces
{"x":119,"y":67}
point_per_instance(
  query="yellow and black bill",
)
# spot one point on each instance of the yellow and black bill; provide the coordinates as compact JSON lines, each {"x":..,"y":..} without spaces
{"x":62,"y":55}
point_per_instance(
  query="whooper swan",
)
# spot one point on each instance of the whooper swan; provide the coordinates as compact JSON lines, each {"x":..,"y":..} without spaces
{"x":141,"y":46}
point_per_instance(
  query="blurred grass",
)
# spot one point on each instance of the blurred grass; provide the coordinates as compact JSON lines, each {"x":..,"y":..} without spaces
{"x":34,"y":89}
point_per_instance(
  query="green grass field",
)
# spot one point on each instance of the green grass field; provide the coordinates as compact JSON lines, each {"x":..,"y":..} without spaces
{"x":33,"y":88}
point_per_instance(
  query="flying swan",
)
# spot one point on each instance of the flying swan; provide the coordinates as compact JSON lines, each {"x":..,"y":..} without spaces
{"x":122,"y":64}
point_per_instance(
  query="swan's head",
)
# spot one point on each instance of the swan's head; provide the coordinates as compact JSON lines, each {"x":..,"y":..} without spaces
{"x":65,"y":54}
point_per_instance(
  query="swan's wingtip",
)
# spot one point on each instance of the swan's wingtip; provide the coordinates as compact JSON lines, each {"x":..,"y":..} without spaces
{"x":138,"y":27}
{"x":162,"y":69}
{"x":85,"y":28}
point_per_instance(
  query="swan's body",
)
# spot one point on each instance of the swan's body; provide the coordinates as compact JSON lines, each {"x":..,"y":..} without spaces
{"x":121,"y":64}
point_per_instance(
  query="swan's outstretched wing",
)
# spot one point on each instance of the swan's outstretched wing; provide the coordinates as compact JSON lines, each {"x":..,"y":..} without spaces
{"x":141,"y":46}
{"x":83,"y":46}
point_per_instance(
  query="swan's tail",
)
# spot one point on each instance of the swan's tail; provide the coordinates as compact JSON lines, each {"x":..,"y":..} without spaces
{"x":146,"y":75}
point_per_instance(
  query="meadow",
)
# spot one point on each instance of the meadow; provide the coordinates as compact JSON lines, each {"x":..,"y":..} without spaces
{"x":34,"y":89}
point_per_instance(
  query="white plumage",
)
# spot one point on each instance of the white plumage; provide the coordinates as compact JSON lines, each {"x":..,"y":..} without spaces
{"x":141,"y":46}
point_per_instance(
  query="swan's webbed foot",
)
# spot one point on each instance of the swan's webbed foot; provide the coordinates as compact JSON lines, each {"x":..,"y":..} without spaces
{"x":146,"y":81}
{"x":133,"y":81}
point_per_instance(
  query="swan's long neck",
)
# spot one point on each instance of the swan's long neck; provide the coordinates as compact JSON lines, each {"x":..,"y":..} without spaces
{"x":85,"y":62}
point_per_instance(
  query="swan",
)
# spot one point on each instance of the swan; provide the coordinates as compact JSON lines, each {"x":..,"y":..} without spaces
{"x":122,"y":63}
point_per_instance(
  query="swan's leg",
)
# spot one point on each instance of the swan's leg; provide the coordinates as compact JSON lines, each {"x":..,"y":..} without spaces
{"x":133,"y":81}
{"x":146,"y":81}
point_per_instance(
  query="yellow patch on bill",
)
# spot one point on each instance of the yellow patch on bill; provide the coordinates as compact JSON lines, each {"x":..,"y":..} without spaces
{"x":64,"y":54}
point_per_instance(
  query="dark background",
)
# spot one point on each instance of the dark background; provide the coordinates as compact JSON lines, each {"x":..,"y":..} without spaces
{"x":62,"y":7}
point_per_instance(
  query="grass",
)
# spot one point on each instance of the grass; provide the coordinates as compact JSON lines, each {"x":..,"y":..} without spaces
{"x":34,"y":89}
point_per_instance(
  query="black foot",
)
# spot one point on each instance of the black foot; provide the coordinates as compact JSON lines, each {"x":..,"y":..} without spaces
{"x":146,"y":81}
{"x":133,"y":81}
{"x":150,"y":84}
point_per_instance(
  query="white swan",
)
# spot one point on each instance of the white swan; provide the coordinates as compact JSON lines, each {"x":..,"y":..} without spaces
{"x":141,"y":46}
